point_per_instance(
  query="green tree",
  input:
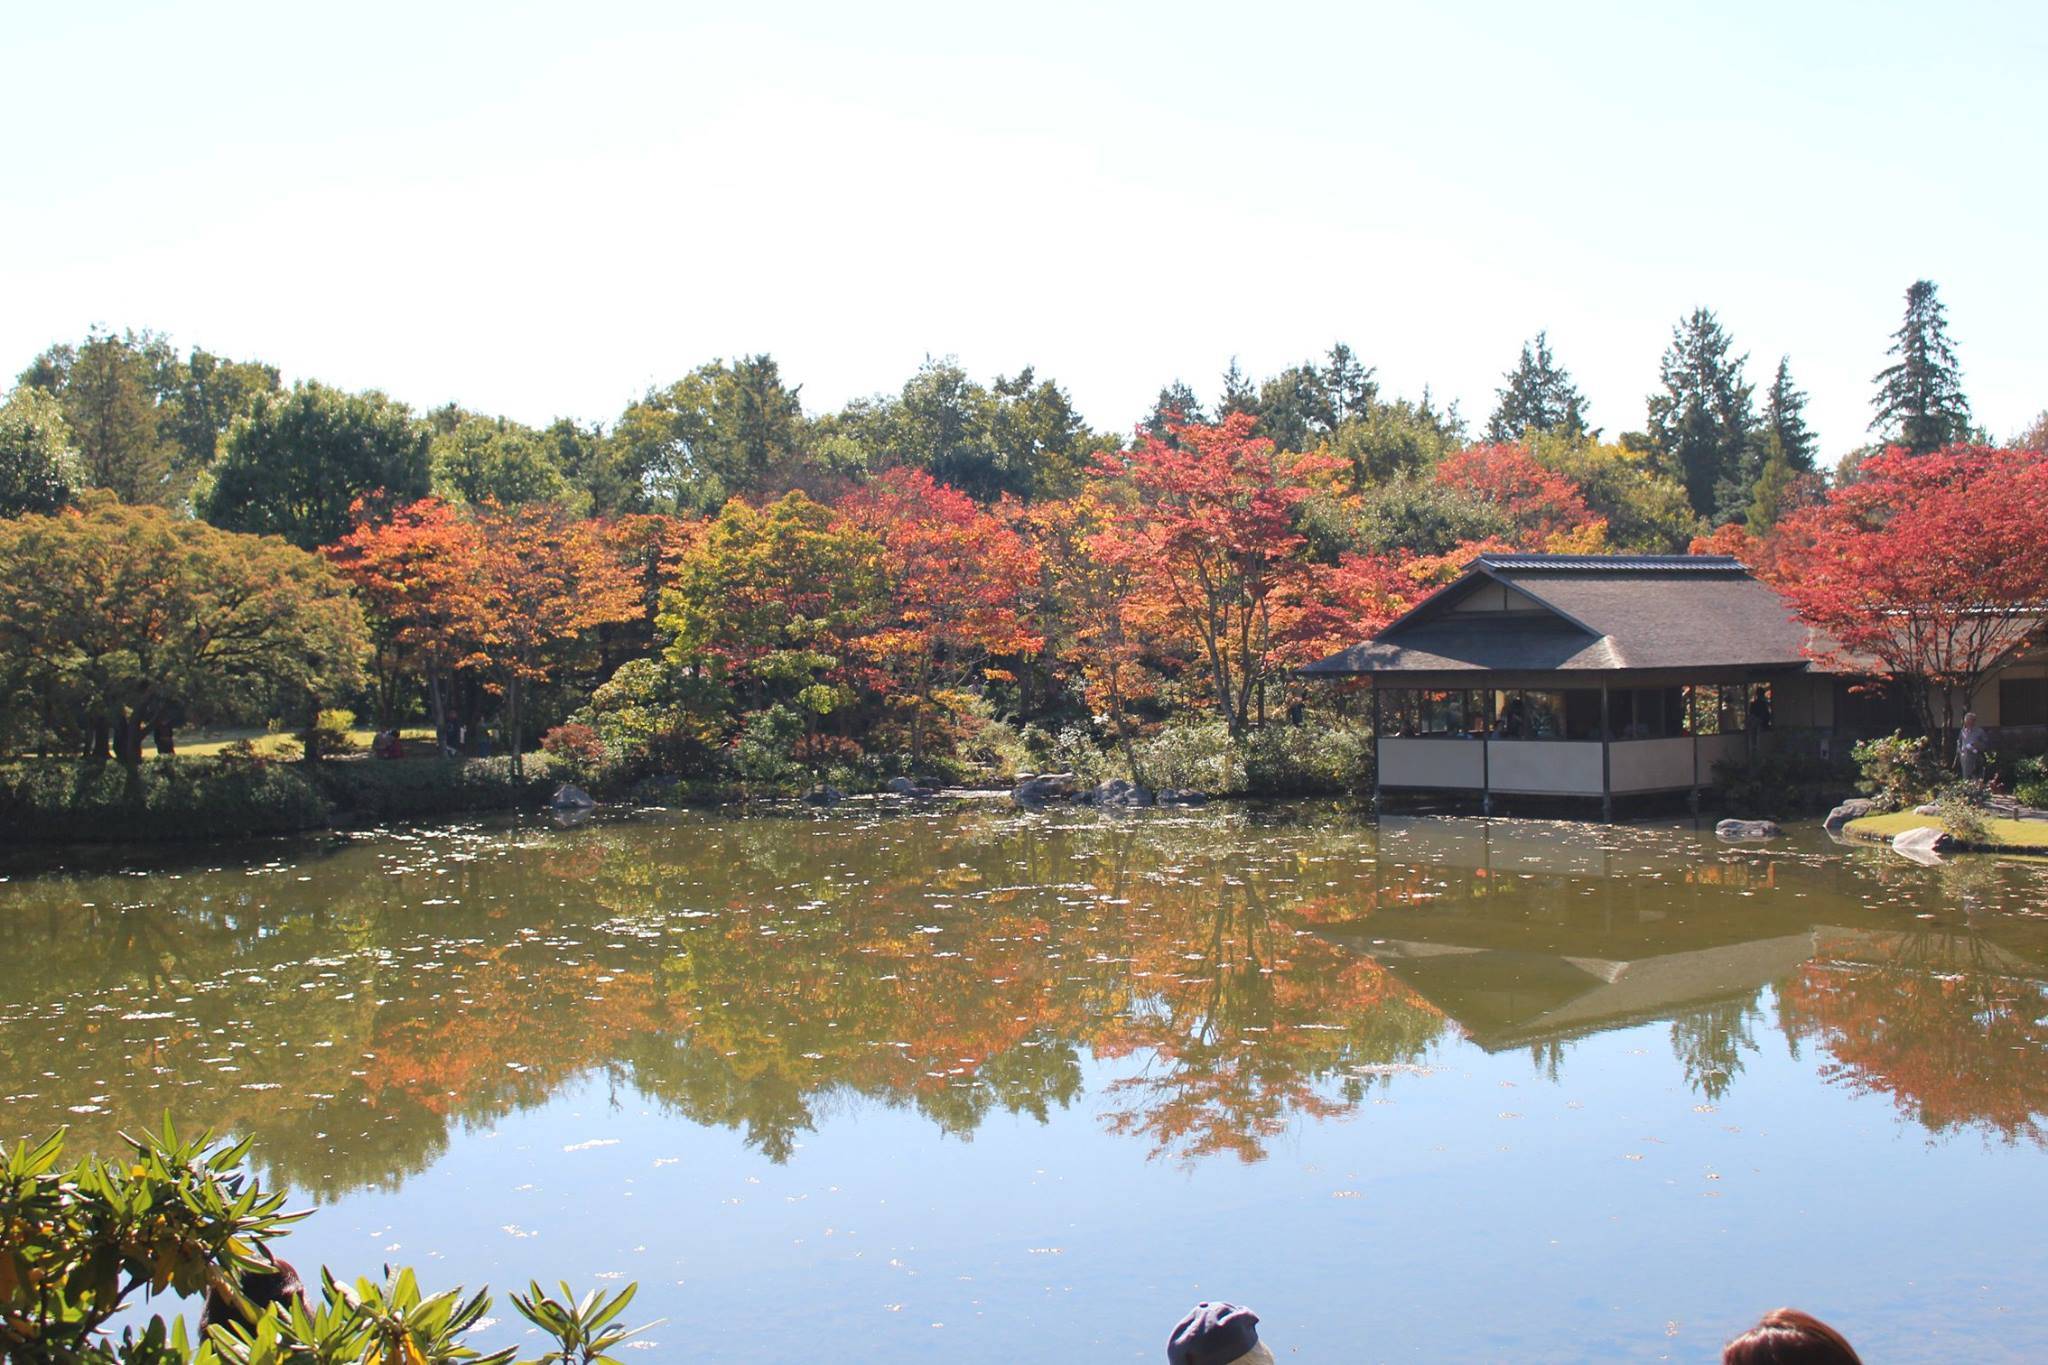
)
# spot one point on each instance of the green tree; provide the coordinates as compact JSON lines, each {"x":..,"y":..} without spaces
{"x":122,"y":619}
{"x":593,"y":467}
{"x":491,"y":459}
{"x":1042,"y":447}
{"x":110,"y":402}
{"x":1771,"y":498}
{"x":205,"y":395}
{"x":1239,"y":393}
{"x":1919,"y":400}
{"x":2035,"y":437}
{"x":719,"y":432}
{"x":1784,"y":419}
{"x":1176,"y":405}
{"x":1539,"y":398}
{"x":295,"y":464}
{"x":1388,"y":440}
{"x":1647,"y":510}
{"x":765,"y":605}
{"x":1700,"y":422}
{"x":38,"y":469}
{"x":1417,"y":514}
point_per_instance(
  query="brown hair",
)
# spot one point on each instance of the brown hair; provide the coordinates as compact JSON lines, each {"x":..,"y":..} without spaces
{"x":1786,"y":1336}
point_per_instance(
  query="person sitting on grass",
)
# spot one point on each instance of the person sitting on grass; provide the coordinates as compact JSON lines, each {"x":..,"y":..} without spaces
{"x":1786,"y":1336}
{"x":1217,"y":1334}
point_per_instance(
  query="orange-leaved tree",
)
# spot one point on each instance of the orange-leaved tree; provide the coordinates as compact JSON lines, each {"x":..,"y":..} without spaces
{"x":957,"y":577}
{"x":1085,"y":609}
{"x":419,"y":570}
{"x":548,"y":580}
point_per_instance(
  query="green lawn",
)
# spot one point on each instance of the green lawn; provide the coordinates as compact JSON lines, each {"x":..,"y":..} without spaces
{"x":2028,"y":835}
{"x":209,"y":743}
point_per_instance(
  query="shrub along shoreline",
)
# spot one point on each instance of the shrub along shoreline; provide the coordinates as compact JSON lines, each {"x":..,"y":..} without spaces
{"x":169,"y":800}
{"x":54,"y":802}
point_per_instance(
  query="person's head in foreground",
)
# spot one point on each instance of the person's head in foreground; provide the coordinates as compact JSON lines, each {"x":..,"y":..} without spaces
{"x":1217,"y":1334}
{"x":1787,"y":1336}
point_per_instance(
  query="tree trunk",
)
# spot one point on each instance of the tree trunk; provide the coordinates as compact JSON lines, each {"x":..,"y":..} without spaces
{"x":163,"y":732}
{"x":437,"y":706}
{"x":311,"y":738}
{"x":512,"y":727}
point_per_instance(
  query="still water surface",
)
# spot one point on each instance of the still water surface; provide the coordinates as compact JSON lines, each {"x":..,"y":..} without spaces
{"x":977,"y":1085}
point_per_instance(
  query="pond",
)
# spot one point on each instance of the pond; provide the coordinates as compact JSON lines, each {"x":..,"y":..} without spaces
{"x":973,"y":1084}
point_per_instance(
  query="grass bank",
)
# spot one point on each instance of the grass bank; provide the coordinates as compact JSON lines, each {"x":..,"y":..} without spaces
{"x":61,"y":801}
{"x":2003,"y":836}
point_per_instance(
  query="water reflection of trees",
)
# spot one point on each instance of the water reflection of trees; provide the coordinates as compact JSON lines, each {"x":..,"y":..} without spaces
{"x":759,"y":974}
{"x":1939,"y":1021}
{"x":1709,"y":1041}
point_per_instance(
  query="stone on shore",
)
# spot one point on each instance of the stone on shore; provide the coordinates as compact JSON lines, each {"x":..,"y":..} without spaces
{"x":1118,"y":792}
{"x":1037,"y":789}
{"x":824,"y":796}
{"x":1854,"y":809}
{"x":1923,"y":844}
{"x":1747,"y":830}
{"x":903,"y":786}
{"x":1180,"y":796}
{"x":568,"y":796}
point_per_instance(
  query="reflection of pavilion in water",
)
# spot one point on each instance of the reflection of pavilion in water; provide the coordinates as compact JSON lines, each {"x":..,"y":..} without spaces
{"x":1547,"y":933}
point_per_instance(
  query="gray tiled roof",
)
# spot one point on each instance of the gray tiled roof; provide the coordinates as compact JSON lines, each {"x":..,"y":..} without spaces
{"x":1605,"y":613}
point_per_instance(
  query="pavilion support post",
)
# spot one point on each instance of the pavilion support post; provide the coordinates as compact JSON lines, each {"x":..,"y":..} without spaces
{"x":1693,"y":696}
{"x":1606,"y":760}
{"x":1486,"y":757}
{"x":1375,"y":749}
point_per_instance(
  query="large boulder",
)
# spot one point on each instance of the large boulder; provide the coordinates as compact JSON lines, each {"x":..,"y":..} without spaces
{"x":1923,"y":844}
{"x":1747,"y":830}
{"x":1037,"y":789}
{"x":1118,"y":792}
{"x":568,"y":796}
{"x":903,"y":786}
{"x":1856,"y":808}
{"x":824,"y":796}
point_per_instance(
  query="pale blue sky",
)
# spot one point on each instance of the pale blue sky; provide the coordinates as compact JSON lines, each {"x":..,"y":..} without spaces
{"x":540,"y":210}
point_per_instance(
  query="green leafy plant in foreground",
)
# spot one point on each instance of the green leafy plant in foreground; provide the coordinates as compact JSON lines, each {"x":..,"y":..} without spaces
{"x":184,"y":1216}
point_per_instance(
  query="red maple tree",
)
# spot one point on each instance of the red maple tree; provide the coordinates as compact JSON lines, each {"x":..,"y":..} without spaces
{"x":1209,"y":535}
{"x":1542,"y":504}
{"x":957,"y":576}
{"x":1933,"y":566}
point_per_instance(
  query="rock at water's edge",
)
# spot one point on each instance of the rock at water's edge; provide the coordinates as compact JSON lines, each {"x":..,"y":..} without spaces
{"x":1855,"y":809}
{"x":1118,"y":792}
{"x":824,"y":796}
{"x":571,"y":797}
{"x":1747,"y":829}
{"x":1923,"y":844}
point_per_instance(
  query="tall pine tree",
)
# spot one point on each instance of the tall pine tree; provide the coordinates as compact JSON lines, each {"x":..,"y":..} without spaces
{"x":110,"y":402}
{"x":1539,"y":397}
{"x":1785,"y":420}
{"x":1239,"y":393}
{"x":1919,"y":401}
{"x":1176,"y":405}
{"x":1700,"y":423}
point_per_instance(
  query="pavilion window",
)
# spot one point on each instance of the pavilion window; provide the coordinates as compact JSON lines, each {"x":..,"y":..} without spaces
{"x":1409,"y":712}
{"x":1541,"y":713}
{"x":1648,"y":713}
{"x":1719,"y":709}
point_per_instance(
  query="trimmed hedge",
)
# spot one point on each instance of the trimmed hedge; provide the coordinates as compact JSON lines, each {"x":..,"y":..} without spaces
{"x":367,"y":791}
{"x":166,"y":799}
{"x":67,"y":802}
